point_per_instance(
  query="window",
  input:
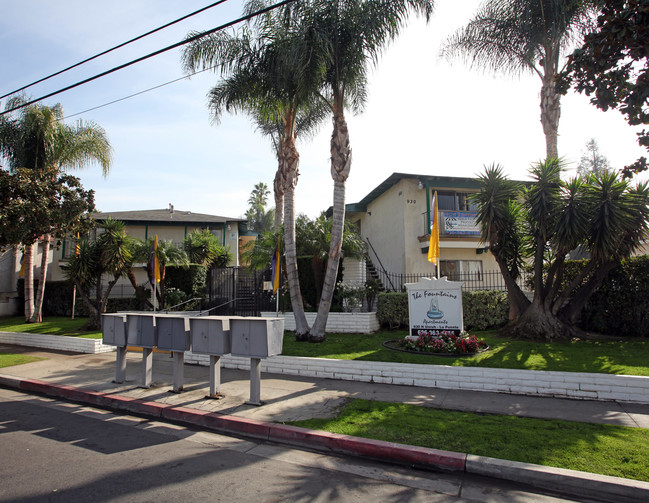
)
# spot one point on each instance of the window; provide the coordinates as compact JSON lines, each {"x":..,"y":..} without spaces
{"x":458,"y":270}
{"x":454,"y":201}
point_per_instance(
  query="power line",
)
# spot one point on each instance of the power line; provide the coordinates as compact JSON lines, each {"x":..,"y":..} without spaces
{"x":155,"y":53}
{"x":138,"y":93}
{"x":114,"y":48}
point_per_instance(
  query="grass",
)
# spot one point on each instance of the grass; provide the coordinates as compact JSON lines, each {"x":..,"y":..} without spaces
{"x":629,"y":356}
{"x":9,"y":359}
{"x":605,"y":449}
{"x":53,"y":325}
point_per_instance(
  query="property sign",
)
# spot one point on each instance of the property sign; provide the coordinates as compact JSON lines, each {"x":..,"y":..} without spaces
{"x":460,"y":223}
{"x":435,"y":305}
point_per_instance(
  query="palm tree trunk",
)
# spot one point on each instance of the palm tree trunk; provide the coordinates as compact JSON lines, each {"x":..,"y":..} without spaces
{"x":289,"y":160}
{"x":341,"y":162}
{"x":37,"y":315}
{"x":278,"y":191}
{"x":28,"y":260}
{"x":139,"y":291}
{"x":550,"y":114}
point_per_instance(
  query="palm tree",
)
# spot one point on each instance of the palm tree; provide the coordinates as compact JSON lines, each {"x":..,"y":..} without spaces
{"x":36,"y":138}
{"x":112,"y":254}
{"x":546,"y":220}
{"x":262,"y":78}
{"x":517,"y":36}
{"x":168,"y":255}
{"x":349,"y":35}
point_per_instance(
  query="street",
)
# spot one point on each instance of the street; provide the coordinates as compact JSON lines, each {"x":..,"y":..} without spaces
{"x":58,"y":451}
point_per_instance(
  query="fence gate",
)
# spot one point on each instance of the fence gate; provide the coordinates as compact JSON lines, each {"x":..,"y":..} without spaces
{"x":239,"y":291}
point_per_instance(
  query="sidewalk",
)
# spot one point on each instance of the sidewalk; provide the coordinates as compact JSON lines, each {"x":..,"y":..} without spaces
{"x":88,"y":378}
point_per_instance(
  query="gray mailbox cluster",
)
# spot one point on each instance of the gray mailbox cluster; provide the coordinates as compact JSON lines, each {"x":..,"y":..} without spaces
{"x":253,"y":338}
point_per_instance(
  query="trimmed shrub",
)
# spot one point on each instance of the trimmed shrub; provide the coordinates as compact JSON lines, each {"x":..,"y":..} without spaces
{"x":621,"y":305}
{"x":482,"y":309}
{"x":392,"y":309}
{"x":485,"y":309}
{"x":192,"y":280}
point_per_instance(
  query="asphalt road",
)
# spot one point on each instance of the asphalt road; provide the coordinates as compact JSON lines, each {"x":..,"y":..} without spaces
{"x":61,"y":452}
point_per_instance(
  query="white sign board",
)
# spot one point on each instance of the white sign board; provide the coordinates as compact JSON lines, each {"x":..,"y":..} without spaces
{"x":435,"y":305}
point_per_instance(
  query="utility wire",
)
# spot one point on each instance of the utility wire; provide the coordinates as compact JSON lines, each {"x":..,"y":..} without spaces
{"x":114,"y":48}
{"x":155,"y":53}
{"x":138,"y":93}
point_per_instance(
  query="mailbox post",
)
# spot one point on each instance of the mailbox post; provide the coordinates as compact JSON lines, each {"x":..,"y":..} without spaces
{"x":256,"y":338}
{"x":113,"y":329}
{"x":211,"y":336}
{"x":142,"y":332}
{"x":174,"y":336}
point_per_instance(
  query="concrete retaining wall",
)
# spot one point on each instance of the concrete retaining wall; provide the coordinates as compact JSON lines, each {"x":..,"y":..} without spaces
{"x":354,"y":323}
{"x":60,"y":343}
{"x":576,"y":385}
{"x":620,"y":388}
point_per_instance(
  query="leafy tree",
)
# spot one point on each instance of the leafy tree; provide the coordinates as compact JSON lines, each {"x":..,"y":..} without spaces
{"x":203,"y":247}
{"x":40,"y":203}
{"x":612,"y":66}
{"x":516,"y":36}
{"x":541,"y":223}
{"x":110,"y":254}
{"x":313,"y":237}
{"x":592,"y":161}
{"x":348,"y":36}
{"x":35,"y":138}
{"x":263,"y":77}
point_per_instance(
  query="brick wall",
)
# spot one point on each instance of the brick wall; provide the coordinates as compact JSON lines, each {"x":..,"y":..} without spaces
{"x":354,"y":323}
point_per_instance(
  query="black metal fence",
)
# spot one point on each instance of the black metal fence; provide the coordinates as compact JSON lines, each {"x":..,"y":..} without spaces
{"x":239,"y":291}
{"x":484,"y":280}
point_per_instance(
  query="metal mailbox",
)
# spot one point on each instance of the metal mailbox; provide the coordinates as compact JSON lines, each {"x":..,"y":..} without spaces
{"x":113,"y":329}
{"x":257,"y":337}
{"x":173,"y":333}
{"x":141,"y":330}
{"x":211,"y":335}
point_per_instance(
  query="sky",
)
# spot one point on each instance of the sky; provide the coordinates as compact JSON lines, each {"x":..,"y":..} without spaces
{"x":424,"y":115}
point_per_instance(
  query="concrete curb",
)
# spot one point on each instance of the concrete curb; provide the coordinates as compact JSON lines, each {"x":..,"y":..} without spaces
{"x":569,"y":482}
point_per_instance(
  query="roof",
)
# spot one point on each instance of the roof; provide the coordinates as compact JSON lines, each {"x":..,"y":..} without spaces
{"x":428,"y":180}
{"x":167,"y":215}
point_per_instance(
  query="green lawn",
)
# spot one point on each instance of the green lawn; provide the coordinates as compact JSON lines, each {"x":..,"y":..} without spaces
{"x":8,"y":359}
{"x":610,"y":450}
{"x":629,"y":356}
{"x":54,"y":325}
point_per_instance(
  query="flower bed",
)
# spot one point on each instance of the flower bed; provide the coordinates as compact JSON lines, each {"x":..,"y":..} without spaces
{"x":440,"y":343}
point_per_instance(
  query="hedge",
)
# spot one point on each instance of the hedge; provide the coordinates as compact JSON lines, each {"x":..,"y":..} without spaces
{"x":482,"y":309}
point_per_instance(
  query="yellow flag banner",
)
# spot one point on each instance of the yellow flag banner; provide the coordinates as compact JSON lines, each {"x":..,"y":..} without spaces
{"x":156,"y":263}
{"x":433,"y":246}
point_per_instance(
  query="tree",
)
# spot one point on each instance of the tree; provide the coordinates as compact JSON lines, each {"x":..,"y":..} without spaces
{"x":541,"y":223}
{"x":259,"y":219}
{"x":269,"y":76}
{"x":612,"y":66}
{"x":516,"y":36}
{"x":110,"y":254}
{"x":592,"y":161}
{"x":349,"y":37}
{"x":202,"y":247}
{"x":35,"y":138}
{"x":168,"y":254}
{"x":37,"y":203}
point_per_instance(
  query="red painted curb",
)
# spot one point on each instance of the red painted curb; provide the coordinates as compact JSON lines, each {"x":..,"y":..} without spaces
{"x":281,"y":433}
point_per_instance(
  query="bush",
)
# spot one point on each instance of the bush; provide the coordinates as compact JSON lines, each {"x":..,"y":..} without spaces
{"x":482,"y":309}
{"x":392,"y":309}
{"x":191,"y":280}
{"x":485,"y":309}
{"x":621,"y":305}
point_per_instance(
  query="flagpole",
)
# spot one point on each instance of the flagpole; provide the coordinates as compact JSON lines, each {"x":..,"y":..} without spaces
{"x":74,"y":298}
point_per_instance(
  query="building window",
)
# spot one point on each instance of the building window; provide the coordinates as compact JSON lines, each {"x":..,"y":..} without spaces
{"x":457,"y":270}
{"x":454,"y":201}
